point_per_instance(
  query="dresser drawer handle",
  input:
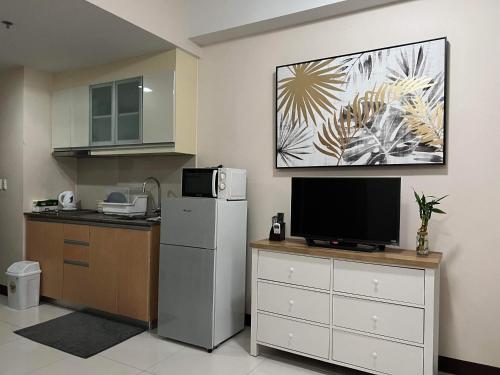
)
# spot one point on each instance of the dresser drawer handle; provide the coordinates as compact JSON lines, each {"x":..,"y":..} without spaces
{"x":291,"y":302}
{"x":374,"y":355}
{"x":375,"y":284}
{"x":292,"y":269}
{"x":290,"y":336}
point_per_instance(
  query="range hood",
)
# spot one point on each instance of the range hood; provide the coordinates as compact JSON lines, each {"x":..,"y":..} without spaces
{"x":116,"y":150}
{"x":79,"y":153}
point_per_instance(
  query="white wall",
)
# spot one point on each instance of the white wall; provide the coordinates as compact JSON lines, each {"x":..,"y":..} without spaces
{"x":11,"y":166}
{"x":236,"y":127}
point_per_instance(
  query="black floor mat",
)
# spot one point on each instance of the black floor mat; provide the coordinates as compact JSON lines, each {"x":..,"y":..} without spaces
{"x":80,"y":334}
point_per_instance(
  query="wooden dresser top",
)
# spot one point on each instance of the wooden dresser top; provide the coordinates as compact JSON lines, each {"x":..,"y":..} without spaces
{"x":392,"y":256}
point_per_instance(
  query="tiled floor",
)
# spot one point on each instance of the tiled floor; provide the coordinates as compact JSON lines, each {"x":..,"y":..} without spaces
{"x":142,"y":354}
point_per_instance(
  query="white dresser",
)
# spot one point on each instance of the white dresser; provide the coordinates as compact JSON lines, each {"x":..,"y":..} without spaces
{"x":375,"y":312}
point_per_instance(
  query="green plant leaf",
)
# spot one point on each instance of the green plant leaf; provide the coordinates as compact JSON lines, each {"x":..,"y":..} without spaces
{"x":444,"y":196}
{"x":417,"y":198}
{"x":438,"y":211}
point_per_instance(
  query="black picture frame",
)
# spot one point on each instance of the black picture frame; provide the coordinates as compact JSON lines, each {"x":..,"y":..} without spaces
{"x":392,"y":165}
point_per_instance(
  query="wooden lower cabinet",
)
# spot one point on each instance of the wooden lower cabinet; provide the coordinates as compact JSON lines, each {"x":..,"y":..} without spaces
{"x":76,"y":288}
{"x":138,"y":273}
{"x":104,"y":255}
{"x":109,"y":269}
{"x":44,"y":244}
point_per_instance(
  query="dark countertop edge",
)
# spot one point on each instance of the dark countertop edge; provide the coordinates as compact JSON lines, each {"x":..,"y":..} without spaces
{"x":98,"y":223}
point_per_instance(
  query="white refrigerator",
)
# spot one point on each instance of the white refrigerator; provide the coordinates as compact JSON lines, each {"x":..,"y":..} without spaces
{"x":201,"y":297}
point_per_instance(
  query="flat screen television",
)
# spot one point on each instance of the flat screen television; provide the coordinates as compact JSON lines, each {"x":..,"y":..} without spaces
{"x":347,"y":213}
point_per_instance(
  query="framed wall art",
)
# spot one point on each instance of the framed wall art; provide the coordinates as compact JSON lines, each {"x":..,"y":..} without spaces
{"x":379,"y":107}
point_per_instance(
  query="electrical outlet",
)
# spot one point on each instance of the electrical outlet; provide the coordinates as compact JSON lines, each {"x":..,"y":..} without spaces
{"x":5,"y":184}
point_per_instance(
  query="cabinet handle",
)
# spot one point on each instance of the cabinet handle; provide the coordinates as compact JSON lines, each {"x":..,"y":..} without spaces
{"x":292,"y":269}
{"x":291,"y":302}
{"x":76,"y":263}
{"x":375,"y":317}
{"x":374,"y":355}
{"x":290,"y":336}
{"x":375,"y":284}
{"x":77,"y":242}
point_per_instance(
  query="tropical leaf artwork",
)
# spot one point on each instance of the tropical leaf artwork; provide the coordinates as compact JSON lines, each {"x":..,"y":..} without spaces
{"x":310,"y":90}
{"x":382,"y":107}
{"x":294,"y":140}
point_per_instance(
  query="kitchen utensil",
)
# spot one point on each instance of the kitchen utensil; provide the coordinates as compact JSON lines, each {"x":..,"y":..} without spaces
{"x":67,"y":200}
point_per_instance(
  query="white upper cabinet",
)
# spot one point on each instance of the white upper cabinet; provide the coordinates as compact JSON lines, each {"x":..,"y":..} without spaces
{"x":61,"y":118}
{"x":158,"y":106}
{"x":146,"y":105}
{"x":80,"y":116}
{"x":70,"y":117}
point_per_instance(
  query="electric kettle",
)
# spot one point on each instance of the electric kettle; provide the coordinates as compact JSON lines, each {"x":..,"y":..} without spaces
{"x":67,"y":200}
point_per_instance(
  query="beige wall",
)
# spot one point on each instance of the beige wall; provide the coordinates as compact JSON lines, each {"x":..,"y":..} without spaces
{"x":236,"y":111}
{"x":43,"y":175}
{"x":11,"y":167}
{"x":96,"y":175}
{"x":25,"y":156}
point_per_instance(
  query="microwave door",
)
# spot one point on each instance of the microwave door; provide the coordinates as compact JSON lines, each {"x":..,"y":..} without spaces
{"x":199,"y":182}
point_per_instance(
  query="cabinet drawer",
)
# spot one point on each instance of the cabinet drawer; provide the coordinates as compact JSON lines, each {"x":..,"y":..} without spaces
{"x":387,"y":319}
{"x":377,"y":354}
{"x":76,"y":284}
{"x":299,"y":303}
{"x":392,"y":283}
{"x":289,"y":334}
{"x":76,"y":252}
{"x":294,"y":269}
{"x":76,"y":233}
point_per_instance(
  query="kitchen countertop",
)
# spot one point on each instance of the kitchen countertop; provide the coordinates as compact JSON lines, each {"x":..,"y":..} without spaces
{"x":91,"y":217}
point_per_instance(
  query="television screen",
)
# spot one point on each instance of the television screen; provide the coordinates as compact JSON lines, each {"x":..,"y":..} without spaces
{"x":353,"y":210}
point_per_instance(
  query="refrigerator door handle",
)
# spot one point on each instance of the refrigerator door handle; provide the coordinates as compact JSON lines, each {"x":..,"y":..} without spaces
{"x":214,"y":177}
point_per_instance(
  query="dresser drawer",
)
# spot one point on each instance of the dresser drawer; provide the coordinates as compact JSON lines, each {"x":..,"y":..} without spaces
{"x":392,"y":283}
{"x":289,"y":334}
{"x":386,"y":319}
{"x":294,"y":269}
{"x":298,"y":303}
{"x":377,"y":354}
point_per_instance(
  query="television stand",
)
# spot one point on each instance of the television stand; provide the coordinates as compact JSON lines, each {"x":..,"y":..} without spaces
{"x":345,"y":245}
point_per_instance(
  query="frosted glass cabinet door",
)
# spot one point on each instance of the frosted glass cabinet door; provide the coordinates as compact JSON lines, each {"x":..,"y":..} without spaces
{"x":101,"y":124}
{"x":129,"y":110}
{"x":158,"y":99}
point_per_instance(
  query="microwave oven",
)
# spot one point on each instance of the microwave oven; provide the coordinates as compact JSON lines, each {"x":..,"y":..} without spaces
{"x":219,"y":182}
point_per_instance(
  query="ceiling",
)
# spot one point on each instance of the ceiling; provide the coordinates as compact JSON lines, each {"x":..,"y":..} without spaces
{"x":58,"y":35}
{"x":217,"y":21}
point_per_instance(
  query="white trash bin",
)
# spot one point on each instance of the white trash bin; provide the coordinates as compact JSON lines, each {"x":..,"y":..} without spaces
{"x":23,"y":284}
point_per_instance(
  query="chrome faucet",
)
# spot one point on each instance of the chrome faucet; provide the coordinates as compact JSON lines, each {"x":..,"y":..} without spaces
{"x":157,"y":210}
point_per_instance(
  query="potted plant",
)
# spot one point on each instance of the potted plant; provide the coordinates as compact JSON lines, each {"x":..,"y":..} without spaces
{"x":426,"y":208}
